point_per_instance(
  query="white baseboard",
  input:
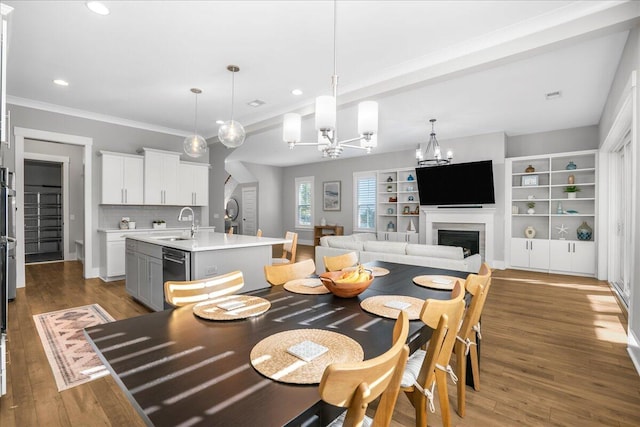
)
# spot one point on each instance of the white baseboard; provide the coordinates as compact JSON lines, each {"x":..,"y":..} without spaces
{"x":634,"y":350}
{"x":93,"y":273}
{"x":498,"y":265}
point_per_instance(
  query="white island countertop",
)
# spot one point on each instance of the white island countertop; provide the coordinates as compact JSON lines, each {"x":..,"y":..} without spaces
{"x":205,"y":240}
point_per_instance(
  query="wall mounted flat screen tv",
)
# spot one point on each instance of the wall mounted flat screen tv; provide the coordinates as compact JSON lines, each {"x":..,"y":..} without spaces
{"x":456,"y":184}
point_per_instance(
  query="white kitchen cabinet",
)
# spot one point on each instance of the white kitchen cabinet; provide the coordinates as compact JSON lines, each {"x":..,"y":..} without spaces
{"x":408,"y":237}
{"x":161,"y":177}
{"x":122,"y":179}
{"x":573,"y":256}
{"x":131,"y":267}
{"x":193,"y":189}
{"x":530,"y":253}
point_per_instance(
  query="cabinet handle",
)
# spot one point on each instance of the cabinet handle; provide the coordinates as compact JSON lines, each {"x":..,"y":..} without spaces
{"x":122,"y":195}
{"x":527,"y":245}
{"x":532,"y":245}
{"x":574,"y":248}
{"x":126,"y":196}
{"x":568,"y":247}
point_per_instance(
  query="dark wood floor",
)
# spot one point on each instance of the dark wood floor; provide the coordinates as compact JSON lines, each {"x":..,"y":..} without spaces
{"x":554,"y":354}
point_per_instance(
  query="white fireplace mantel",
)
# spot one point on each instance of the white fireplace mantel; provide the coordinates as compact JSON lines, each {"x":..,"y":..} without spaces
{"x":483,"y":216}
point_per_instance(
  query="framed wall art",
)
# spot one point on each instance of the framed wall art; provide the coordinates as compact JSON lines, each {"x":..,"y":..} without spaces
{"x":331,"y":195}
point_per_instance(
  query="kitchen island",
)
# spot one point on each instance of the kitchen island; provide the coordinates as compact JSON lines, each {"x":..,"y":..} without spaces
{"x":152,"y":259}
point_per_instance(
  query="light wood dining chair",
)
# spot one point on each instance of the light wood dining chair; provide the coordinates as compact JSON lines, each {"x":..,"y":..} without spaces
{"x":426,"y":368}
{"x":259,"y":233}
{"x":466,"y":343}
{"x":281,"y":274}
{"x":182,"y":293}
{"x":288,"y":249}
{"x":338,"y":262}
{"x":485,"y":270}
{"x":355,"y":385}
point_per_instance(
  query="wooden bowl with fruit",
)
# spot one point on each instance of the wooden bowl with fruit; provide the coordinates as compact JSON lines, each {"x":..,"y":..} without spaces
{"x":347,"y":284}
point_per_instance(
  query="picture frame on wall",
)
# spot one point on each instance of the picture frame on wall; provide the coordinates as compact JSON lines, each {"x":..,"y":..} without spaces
{"x":529,"y":180}
{"x":331,"y":195}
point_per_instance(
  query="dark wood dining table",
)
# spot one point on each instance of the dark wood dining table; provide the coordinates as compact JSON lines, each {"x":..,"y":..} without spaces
{"x":180,"y":370}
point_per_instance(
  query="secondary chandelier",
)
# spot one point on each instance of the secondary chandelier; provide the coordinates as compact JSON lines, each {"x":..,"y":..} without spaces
{"x":326,"y":120}
{"x":432,"y":156}
{"x":231,"y":133}
{"x":195,"y":145}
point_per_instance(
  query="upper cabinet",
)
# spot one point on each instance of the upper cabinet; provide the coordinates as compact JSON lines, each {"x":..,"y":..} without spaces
{"x":193,"y":184}
{"x":122,"y":179}
{"x":161,"y":177}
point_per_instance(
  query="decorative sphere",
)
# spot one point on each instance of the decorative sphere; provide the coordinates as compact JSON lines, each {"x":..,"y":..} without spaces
{"x":195,"y":145}
{"x":231,"y":134}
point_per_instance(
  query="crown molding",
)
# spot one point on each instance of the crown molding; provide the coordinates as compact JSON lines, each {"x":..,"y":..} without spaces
{"x":5,"y":9}
{"x":59,"y":109}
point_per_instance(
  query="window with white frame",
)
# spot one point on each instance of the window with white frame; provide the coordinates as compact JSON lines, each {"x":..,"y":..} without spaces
{"x":304,"y":202}
{"x":364,"y":201}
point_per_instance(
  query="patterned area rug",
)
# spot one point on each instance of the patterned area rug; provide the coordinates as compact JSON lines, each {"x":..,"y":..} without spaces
{"x":71,"y":357}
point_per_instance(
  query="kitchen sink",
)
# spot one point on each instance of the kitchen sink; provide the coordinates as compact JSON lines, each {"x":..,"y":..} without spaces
{"x":173,"y":238}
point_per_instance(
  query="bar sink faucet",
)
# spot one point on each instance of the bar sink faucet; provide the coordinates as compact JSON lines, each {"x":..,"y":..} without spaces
{"x":191,"y":217}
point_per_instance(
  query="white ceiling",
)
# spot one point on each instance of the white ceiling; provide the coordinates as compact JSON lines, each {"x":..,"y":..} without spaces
{"x":476,"y":66}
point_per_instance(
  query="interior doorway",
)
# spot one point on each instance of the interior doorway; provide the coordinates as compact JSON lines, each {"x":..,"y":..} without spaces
{"x":249,"y":211}
{"x":43,"y":210}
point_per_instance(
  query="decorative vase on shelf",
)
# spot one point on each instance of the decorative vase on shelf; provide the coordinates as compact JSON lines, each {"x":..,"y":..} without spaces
{"x":559,"y":210}
{"x":391,"y":226}
{"x":323,"y":222}
{"x":389,"y":179}
{"x":390,"y":211}
{"x":584,"y":231}
{"x":571,"y":195}
{"x":389,"y":188}
{"x":531,"y":211}
{"x":571,"y":180}
{"x":530,"y":169}
{"x":571,"y":166}
{"x":530,"y":232}
{"x":410,"y":178}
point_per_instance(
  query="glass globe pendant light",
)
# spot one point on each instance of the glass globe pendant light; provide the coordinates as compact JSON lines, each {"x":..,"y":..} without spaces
{"x":231,"y":133}
{"x":195,"y":145}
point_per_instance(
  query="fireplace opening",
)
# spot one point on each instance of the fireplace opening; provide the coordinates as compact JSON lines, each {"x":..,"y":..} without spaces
{"x":468,"y":240}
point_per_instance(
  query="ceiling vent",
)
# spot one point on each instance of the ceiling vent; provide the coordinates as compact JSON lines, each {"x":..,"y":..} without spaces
{"x":553,"y":95}
{"x":256,"y":103}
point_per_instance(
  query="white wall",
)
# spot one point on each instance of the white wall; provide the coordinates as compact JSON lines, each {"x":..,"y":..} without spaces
{"x":557,"y":141}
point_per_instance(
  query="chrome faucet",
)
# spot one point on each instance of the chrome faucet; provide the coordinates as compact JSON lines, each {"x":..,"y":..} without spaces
{"x":192,"y":217}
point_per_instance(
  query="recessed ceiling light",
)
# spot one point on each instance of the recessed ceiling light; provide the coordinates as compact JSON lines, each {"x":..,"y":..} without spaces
{"x":296,"y":92}
{"x":219,"y":122}
{"x":553,"y":95}
{"x":256,"y":103}
{"x":97,"y":7}
{"x":61,"y":82}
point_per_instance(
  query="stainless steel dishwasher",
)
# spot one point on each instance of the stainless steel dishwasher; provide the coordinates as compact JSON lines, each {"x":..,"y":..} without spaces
{"x":176,"y":266}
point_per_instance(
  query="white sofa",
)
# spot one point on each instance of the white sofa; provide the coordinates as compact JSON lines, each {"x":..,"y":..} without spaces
{"x":369,"y":248}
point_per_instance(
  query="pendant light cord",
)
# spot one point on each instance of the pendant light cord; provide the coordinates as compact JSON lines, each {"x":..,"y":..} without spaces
{"x":233,"y":87}
{"x":195,"y":121}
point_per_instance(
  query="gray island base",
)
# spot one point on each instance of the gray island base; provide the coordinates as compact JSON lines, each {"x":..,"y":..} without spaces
{"x":153,"y":259}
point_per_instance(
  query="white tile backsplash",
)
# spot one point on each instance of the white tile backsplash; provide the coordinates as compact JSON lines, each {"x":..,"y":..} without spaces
{"x":110,"y":215}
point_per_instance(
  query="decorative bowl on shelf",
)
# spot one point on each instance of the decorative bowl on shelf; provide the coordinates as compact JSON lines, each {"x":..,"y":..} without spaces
{"x":340,"y":284}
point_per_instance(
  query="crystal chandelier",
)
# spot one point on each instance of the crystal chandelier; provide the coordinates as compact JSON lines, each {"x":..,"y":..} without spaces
{"x":328,"y":142}
{"x":195,"y":145}
{"x":432,"y":156}
{"x":231,"y":133}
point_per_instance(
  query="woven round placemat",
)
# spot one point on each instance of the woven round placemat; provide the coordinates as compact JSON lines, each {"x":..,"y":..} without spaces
{"x":253,"y":306}
{"x":271,"y":359}
{"x":427,"y":282}
{"x":376,"y":271}
{"x":297,"y":286}
{"x":376,"y":305}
